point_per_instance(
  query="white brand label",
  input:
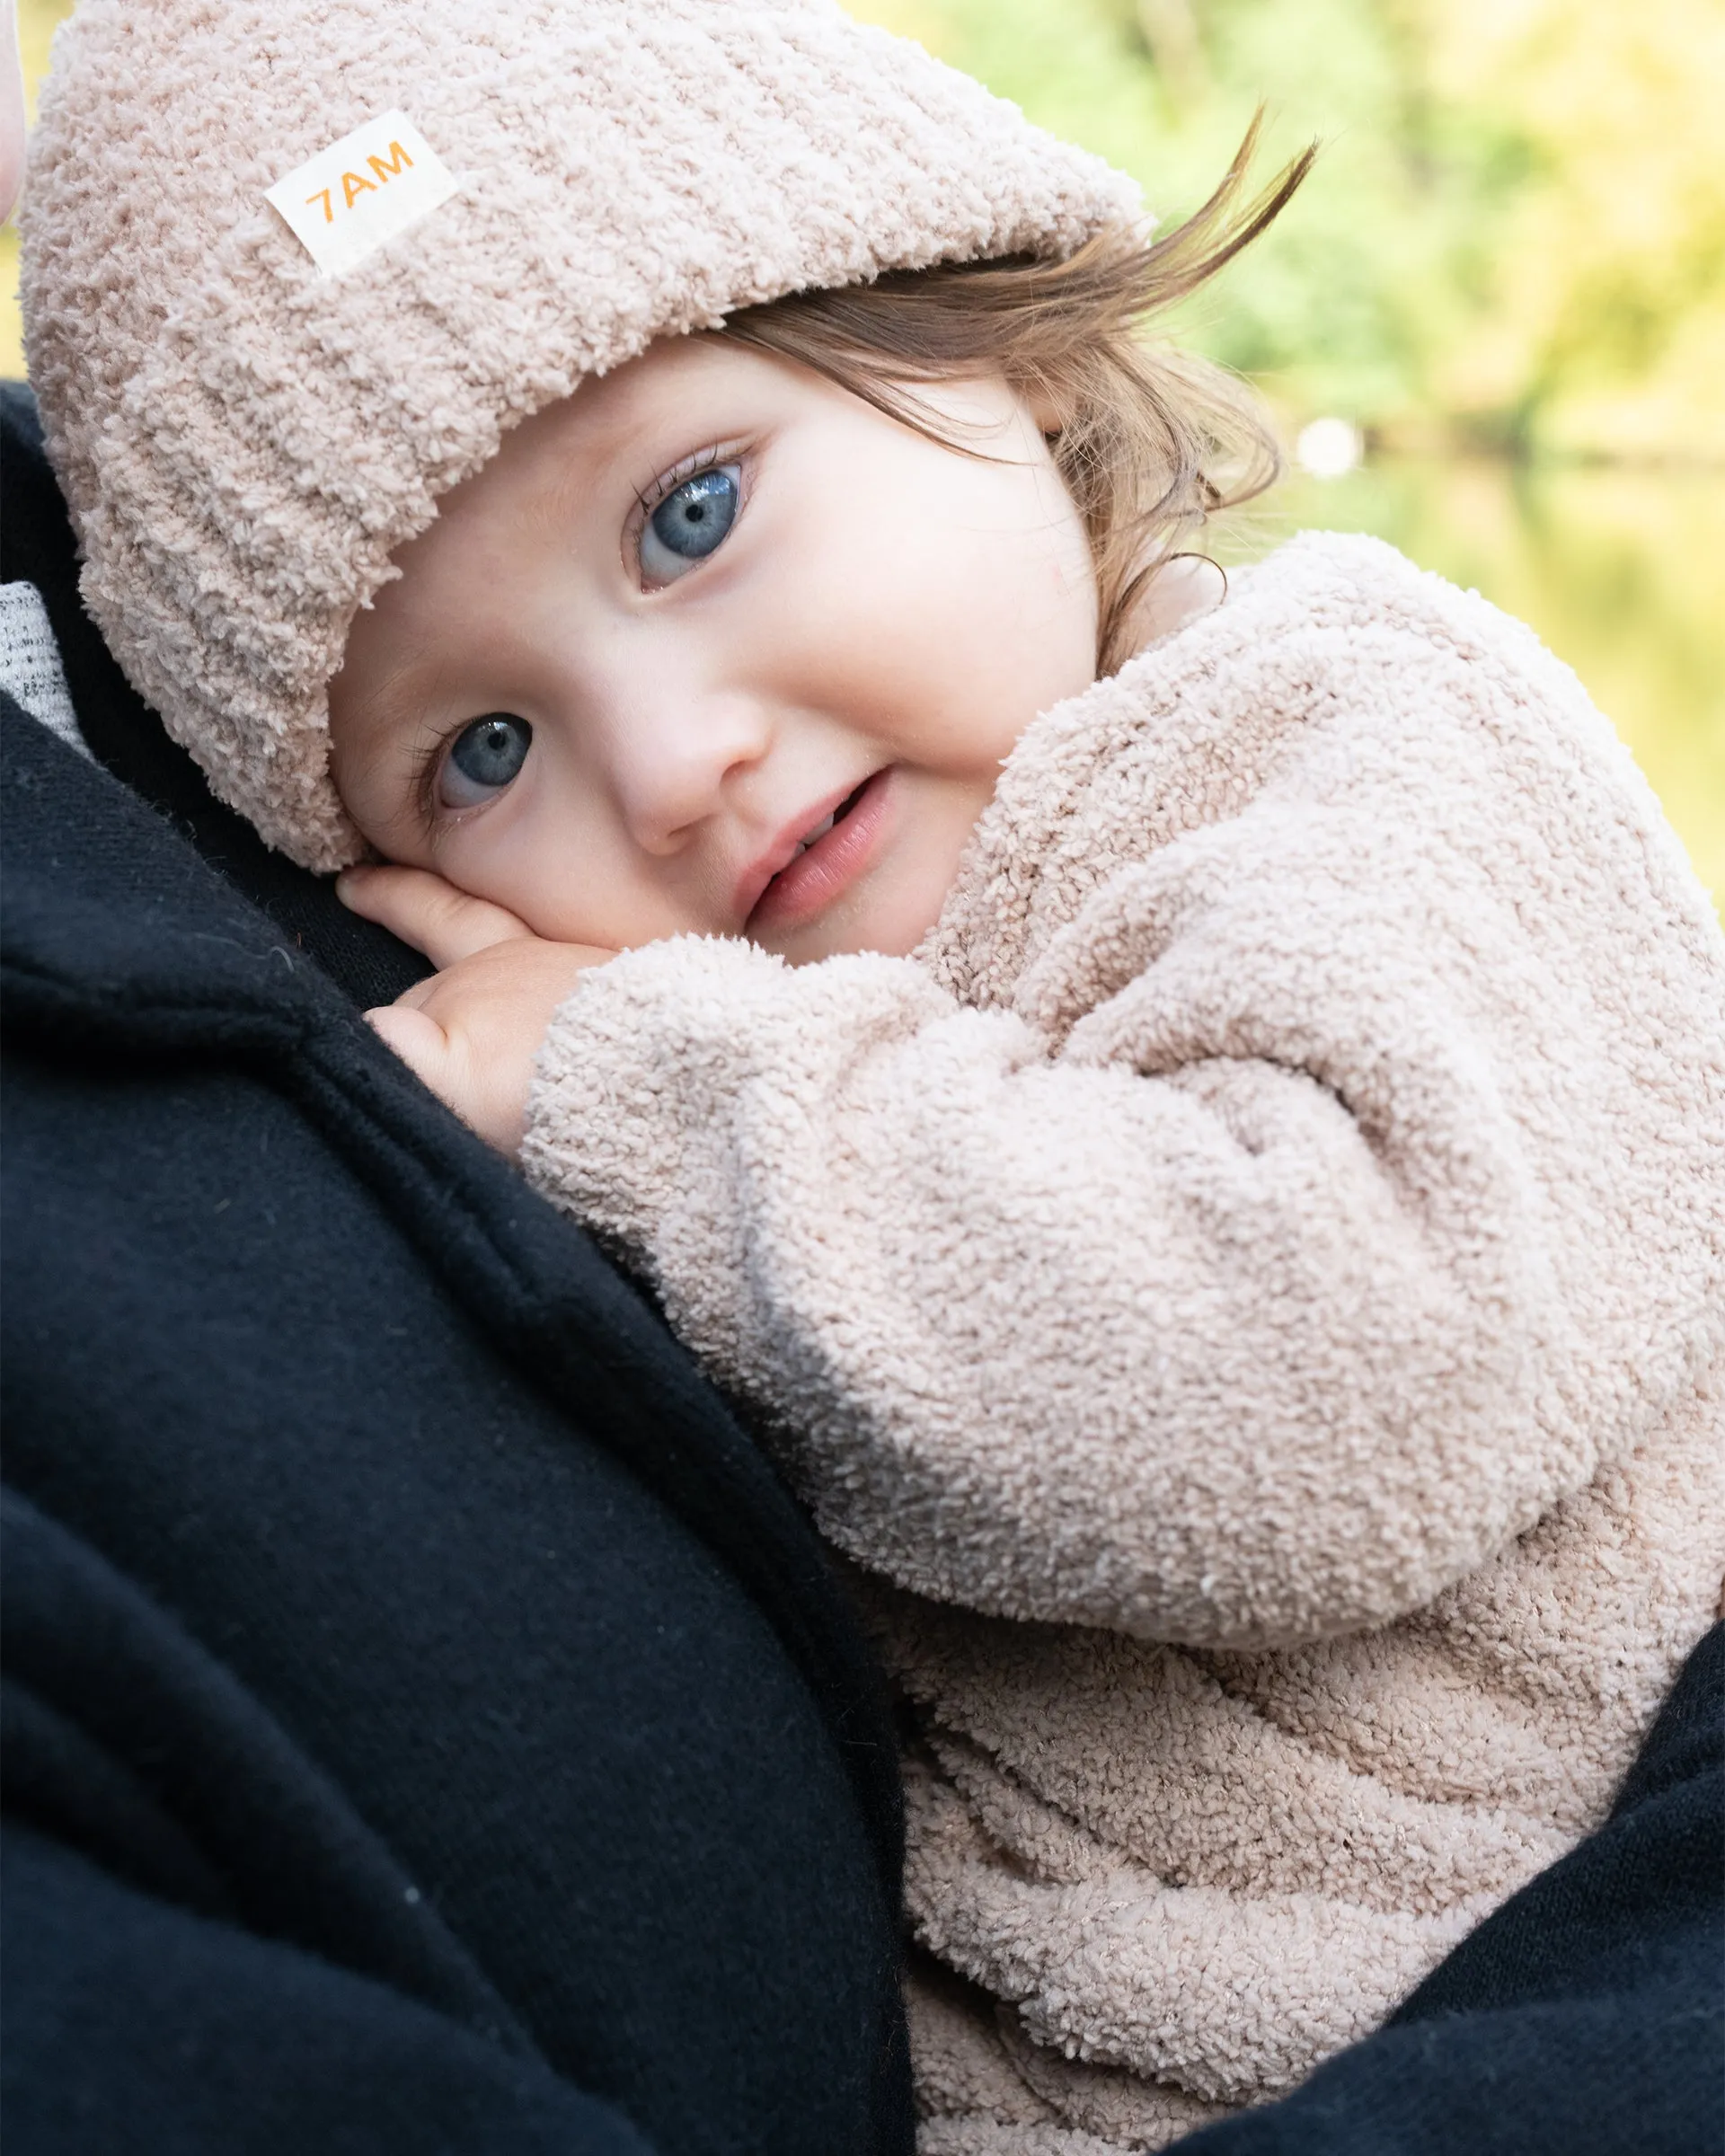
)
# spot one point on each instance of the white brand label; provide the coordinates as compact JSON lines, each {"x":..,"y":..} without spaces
{"x":362,"y":191}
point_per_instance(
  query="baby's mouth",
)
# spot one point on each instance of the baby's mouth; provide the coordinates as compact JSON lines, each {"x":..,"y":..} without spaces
{"x":829,"y":857}
{"x":832,"y":815}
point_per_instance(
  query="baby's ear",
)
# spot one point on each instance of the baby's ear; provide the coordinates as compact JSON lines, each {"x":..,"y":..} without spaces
{"x":1177,"y":592}
{"x":1048,"y":410}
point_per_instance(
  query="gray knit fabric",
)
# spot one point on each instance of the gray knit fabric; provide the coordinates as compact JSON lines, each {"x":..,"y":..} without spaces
{"x":30,"y":664}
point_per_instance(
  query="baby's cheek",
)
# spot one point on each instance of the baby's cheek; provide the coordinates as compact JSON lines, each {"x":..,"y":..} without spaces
{"x":980,"y":723}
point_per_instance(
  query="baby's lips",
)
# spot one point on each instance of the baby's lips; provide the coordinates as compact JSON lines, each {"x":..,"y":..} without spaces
{"x":788,"y":844}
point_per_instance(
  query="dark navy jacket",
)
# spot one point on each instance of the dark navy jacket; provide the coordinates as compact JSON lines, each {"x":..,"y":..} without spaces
{"x":428,"y":1723}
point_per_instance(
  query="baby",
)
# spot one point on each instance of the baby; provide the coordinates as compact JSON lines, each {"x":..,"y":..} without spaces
{"x":1197,"y":1130}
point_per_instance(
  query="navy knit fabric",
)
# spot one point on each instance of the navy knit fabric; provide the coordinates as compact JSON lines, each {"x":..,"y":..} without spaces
{"x":408,"y":1657}
{"x":37,"y":547}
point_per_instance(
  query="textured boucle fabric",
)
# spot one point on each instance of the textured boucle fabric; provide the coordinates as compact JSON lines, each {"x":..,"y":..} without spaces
{"x":1249,"y":1295}
{"x":244,"y":441}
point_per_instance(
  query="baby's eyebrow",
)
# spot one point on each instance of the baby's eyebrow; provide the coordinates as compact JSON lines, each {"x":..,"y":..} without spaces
{"x":569,"y":483}
{"x":395,"y":702}
{"x":397,"y":710}
{"x":634,"y":433}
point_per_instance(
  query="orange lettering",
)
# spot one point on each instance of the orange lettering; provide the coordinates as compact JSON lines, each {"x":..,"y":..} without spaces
{"x":353,"y":186}
{"x":396,"y":159}
{"x":322,"y":196}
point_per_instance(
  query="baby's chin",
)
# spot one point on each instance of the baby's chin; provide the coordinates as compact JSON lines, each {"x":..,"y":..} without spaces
{"x":892,"y":929}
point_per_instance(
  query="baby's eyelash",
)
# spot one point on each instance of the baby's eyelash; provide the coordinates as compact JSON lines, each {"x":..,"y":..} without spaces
{"x":428,"y":761}
{"x":659,"y":490}
{"x":736,"y":450}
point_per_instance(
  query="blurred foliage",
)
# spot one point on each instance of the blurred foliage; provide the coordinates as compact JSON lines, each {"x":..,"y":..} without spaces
{"x":1513,"y":243}
{"x":37,"y":22}
{"x":1515,"y":236}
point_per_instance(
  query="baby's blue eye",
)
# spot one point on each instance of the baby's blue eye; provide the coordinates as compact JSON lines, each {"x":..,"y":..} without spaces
{"x":691,"y":521}
{"x":483,"y":759}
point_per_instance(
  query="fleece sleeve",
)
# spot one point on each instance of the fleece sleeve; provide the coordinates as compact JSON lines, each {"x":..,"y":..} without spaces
{"x":1206,"y":1294}
{"x":1327,"y":1188}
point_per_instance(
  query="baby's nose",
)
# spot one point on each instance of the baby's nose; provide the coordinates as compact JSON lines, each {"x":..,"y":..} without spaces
{"x":679,"y":755}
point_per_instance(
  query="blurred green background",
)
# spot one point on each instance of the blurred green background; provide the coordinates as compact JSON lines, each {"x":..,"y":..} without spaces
{"x":1506,"y":275}
{"x":1501,"y":293}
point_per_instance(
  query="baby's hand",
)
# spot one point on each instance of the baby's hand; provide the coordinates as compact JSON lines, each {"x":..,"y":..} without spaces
{"x":471,"y":1031}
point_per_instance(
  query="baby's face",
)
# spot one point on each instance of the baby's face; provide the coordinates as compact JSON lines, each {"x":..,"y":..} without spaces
{"x":713,"y":646}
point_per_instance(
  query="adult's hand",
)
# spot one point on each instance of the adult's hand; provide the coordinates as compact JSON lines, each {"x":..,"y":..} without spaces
{"x":471,"y":1031}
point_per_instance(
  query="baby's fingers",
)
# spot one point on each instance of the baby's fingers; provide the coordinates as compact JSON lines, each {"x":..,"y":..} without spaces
{"x":421,"y":1044}
{"x":488,"y":1091}
{"x":427,"y":912}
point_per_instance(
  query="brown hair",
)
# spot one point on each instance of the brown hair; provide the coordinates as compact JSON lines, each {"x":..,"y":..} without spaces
{"x":1150,"y":442}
